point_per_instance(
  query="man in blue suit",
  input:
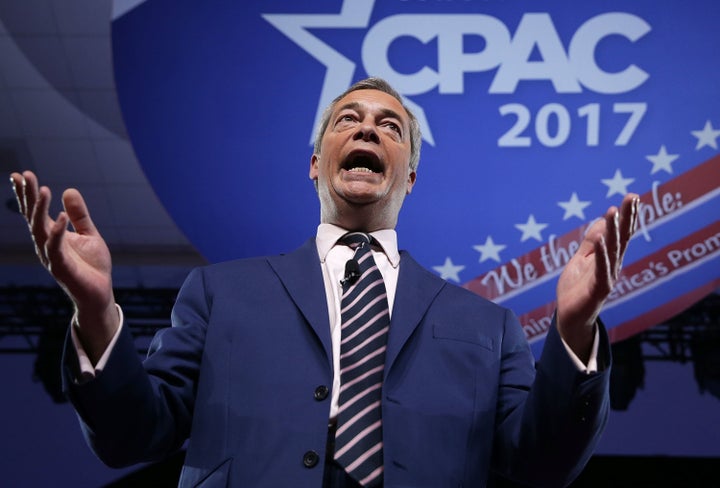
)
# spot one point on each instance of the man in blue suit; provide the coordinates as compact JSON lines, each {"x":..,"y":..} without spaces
{"x":249,"y":372}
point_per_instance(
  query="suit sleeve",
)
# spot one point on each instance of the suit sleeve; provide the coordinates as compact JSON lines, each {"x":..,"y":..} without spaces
{"x":548,"y":428}
{"x":135,"y":410}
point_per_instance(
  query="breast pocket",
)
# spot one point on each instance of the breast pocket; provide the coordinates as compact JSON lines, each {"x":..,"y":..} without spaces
{"x":462,"y":333}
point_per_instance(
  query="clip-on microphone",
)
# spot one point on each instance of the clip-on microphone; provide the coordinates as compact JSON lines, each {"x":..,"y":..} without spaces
{"x":352,"y":272}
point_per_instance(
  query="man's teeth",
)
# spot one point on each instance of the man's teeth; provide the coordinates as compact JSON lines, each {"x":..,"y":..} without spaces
{"x":361,"y":169}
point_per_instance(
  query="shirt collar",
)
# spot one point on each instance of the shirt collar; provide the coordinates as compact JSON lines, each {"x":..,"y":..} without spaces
{"x":328,"y":235}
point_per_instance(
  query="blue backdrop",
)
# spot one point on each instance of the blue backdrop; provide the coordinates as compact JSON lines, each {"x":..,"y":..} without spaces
{"x":536,"y":117}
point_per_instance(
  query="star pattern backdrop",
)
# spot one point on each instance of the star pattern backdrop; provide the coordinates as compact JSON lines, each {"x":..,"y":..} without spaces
{"x":536,"y":118}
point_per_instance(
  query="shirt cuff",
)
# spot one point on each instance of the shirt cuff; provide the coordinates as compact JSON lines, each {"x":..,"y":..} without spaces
{"x":86,"y":368}
{"x":591,"y":366}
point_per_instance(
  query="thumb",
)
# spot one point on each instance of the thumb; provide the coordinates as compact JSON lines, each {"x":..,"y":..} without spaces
{"x":592,"y":236}
{"x":77,"y":211}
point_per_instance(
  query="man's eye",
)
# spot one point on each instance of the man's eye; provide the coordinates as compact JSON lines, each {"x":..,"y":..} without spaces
{"x":393,"y":126}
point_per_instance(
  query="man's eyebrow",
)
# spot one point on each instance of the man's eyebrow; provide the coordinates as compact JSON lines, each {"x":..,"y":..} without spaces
{"x":386,"y":112}
{"x":349,"y":106}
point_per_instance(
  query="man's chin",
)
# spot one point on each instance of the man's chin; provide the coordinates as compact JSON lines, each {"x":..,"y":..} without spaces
{"x":361,"y":201}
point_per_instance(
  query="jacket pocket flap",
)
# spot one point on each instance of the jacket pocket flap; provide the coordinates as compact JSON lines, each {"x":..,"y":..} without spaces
{"x":462,"y":333}
{"x":204,"y":478}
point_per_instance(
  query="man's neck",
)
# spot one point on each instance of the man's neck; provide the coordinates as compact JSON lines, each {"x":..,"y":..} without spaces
{"x":359,"y":221}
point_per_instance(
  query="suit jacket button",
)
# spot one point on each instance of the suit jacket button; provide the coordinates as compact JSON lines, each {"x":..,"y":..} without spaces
{"x":321,"y":393}
{"x":310,"y":459}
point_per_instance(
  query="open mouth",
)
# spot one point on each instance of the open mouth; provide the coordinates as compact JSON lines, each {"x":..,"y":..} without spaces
{"x":363,"y":162}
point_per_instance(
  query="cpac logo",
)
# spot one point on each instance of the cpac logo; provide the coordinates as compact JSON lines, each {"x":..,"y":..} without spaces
{"x":568,"y":70}
{"x":510,"y":55}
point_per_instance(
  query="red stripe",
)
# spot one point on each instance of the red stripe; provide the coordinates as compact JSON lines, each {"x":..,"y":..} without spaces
{"x":632,"y":281}
{"x":526,"y":270}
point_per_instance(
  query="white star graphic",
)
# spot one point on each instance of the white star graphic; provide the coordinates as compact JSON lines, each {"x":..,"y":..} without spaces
{"x":662,"y":160}
{"x":531,"y":229}
{"x":354,"y":14}
{"x":574,"y":207}
{"x":121,"y":7}
{"x":617,"y":184}
{"x":449,"y":271}
{"x":706,"y":137}
{"x":489,"y":250}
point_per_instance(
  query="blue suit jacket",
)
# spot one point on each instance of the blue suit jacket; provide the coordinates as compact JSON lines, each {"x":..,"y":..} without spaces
{"x":250,"y":344}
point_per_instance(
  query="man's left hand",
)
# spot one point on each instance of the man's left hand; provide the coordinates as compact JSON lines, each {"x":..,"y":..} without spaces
{"x":590,"y":275}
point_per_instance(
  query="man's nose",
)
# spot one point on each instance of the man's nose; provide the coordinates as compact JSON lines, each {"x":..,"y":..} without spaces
{"x":366,"y":132}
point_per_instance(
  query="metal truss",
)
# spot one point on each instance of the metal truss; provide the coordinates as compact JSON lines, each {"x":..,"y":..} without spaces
{"x":28,"y":315}
{"x":33,"y":318}
{"x":685,"y":336}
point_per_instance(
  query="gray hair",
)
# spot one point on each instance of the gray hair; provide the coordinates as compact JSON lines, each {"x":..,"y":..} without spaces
{"x":383,"y":86}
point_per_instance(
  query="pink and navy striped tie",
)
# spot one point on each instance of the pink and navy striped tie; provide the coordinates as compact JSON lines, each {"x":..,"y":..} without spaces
{"x":365,"y":320}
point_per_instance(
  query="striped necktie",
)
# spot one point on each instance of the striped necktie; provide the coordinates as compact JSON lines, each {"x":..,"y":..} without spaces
{"x":365,"y":320}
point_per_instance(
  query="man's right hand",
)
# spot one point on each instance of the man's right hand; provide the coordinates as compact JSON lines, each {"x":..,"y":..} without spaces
{"x":79,"y":260}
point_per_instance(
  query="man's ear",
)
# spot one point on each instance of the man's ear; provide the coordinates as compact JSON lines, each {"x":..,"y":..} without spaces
{"x":314,"y":161}
{"x":412,"y":176}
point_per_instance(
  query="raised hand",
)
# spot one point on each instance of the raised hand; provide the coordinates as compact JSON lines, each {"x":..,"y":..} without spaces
{"x":79,"y":260}
{"x":590,"y":276}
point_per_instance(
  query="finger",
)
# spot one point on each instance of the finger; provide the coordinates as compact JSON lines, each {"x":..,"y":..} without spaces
{"x":30,"y":193}
{"x":40,"y":222}
{"x":17,"y":183}
{"x":635,"y":216}
{"x":596,"y":230}
{"x":54,"y":241}
{"x":628,"y":220}
{"x":612,"y":239}
{"x":604,"y":280}
{"x":78,"y":213}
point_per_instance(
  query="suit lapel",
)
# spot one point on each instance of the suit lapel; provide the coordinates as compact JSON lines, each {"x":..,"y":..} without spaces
{"x":416,"y":289}
{"x":301,"y":274}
